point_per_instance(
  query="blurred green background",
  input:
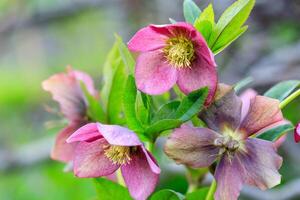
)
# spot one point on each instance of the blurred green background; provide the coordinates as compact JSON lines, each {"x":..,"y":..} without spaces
{"x":41,"y":37}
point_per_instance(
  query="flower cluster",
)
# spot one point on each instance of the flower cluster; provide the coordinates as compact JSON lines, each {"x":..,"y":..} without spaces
{"x":237,"y":137}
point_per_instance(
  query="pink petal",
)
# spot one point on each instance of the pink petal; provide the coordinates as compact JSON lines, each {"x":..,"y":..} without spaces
{"x":138,"y":176}
{"x":147,"y":39}
{"x":90,"y":161}
{"x":246,"y":99}
{"x":261,"y":164}
{"x":263,"y":112}
{"x":151,"y":161}
{"x":192,"y":146}
{"x":62,"y":151}
{"x":118,"y":135}
{"x":153,"y":75}
{"x":297,"y":133}
{"x":224,"y":111}
{"x":201,"y":74}
{"x":229,"y":177}
{"x":86,"y":133}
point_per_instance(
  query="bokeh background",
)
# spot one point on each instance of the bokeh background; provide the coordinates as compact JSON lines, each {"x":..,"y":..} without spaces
{"x":41,"y":37}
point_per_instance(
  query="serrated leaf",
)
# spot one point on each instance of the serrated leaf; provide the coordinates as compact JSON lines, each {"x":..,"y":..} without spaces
{"x":154,"y":130}
{"x":166,"y":111}
{"x":190,"y":11}
{"x":94,"y":109}
{"x":275,"y":133}
{"x":167,"y":195}
{"x":108,"y":190}
{"x":282,"y":90}
{"x":230,"y":22}
{"x":129,"y":103}
{"x":242,"y":84}
{"x":191,"y":104}
{"x":199,"y":194}
{"x":205,"y":28}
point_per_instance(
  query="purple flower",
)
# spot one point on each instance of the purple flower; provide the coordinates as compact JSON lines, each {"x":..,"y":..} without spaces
{"x":297,"y":133}
{"x":241,"y":159}
{"x":174,"y":53}
{"x":102,"y":149}
{"x":65,"y":89}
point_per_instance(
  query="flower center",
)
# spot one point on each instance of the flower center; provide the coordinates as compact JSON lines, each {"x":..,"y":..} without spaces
{"x":119,"y":154}
{"x":179,"y":51}
{"x":227,"y":143}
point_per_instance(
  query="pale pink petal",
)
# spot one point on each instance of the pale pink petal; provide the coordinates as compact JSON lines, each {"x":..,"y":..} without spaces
{"x":246,"y":99}
{"x":151,"y":161}
{"x":90,"y":161}
{"x":86,"y":133}
{"x":201,"y":74}
{"x":147,"y":39}
{"x":153,"y":74}
{"x":139,"y":177}
{"x":62,"y":151}
{"x":192,"y":146}
{"x":263,"y":112}
{"x":118,"y":135}
{"x":297,"y":133}
{"x":224,"y":111}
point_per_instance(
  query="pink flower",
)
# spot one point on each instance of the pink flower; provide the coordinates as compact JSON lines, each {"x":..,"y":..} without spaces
{"x":241,"y":159}
{"x":297,"y":133}
{"x":66,"y":90}
{"x":102,"y":149}
{"x":169,"y":54}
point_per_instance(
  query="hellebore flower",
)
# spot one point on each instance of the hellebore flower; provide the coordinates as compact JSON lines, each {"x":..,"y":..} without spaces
{"x":297,"y":133}
{"x":66,"y":90}
{"x":102,"y":149}
{"x":241,"y":158}
{"x":174,"y":53}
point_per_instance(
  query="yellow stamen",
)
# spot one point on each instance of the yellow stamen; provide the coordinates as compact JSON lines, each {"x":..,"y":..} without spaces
{"x":179,"y":51}
{"x":118,"y":154}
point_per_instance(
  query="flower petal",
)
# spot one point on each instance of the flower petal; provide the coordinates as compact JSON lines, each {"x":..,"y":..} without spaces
{"x":151,"y":161}
{"x":153,"y":75}
{"x":62,"y":151}
{"x":297,"y":133}
{"x":192,"y":146}
{"x":229,"y":177}
{"x":86,"y":133}
{"x":139,"y":177}
{"x":118,"y":135}
{"x":90,"y":161}
{"x":147,"y":39}
{"x":224,"y":111}
{"x":261,"y":163}
{"x":263,"y":112}
{"x":246,"y":99}
{"x":201,"y":74}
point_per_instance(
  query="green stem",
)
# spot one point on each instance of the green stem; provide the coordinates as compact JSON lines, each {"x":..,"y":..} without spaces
{"x":211,"y":191}
{"x":289,"y":99}
{"x":120,"y":177}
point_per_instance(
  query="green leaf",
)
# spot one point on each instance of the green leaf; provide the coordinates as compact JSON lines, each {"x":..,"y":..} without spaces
{"x":166,"y":111}
{"x":125,"y":55}
{"x":282,"y":90}
{"x":153,"y":131}
{"x":242,"y":84}
{"x":94,"y":110}
{"x":229,"y":25}
{"x":274,"y":133}
{"x":108,"y":190}
{"x":191,"y":104}
{"x":190,"y":11}
{"x":167,"y":195}
{"x":172,"y":21}
{"x":129,"y":103}
{"x":199,"y":194}
{"x":206,"y":22}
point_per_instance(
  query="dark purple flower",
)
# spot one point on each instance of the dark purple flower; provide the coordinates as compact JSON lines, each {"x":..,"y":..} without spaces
{"x":102,"y":149}
{"x":66,"y":90}
{"x":241,"y":159}
{"x":297,"y":133}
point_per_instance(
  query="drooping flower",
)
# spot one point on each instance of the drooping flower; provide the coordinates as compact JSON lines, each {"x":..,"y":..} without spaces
{"x":174,"y":53}
{"x":241,"y":159}
{"x":297,"y":133}
{"x":102,"y":149}
{"x":66,"y":90}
